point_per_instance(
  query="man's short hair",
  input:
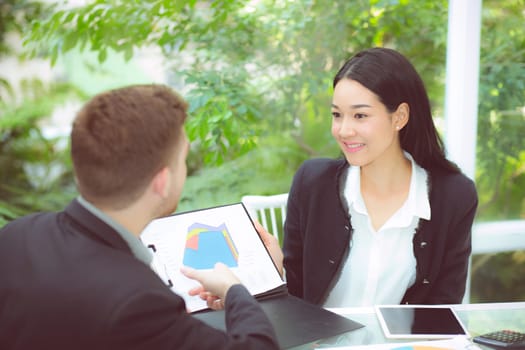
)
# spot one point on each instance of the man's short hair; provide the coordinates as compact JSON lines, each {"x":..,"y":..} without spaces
{"x":121,"y":138}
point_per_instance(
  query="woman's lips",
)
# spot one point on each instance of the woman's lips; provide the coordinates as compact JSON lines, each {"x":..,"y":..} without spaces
{"x":353,"y":147}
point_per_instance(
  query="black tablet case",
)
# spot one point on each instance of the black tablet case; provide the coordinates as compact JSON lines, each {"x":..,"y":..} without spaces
{"x":296,"y":321}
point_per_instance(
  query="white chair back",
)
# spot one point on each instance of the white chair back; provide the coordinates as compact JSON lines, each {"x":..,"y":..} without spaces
{"x":269,"y":210}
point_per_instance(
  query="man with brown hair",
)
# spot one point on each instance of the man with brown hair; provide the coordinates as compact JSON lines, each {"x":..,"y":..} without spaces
{"x":81,"y":278}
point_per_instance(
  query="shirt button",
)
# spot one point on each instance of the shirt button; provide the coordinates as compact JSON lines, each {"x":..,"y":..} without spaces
{"x":425,"y":281}
{"x":347,"y":228}
{"x":422,"y":244}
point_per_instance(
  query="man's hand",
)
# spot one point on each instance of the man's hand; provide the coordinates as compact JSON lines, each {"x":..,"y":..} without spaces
{"x":214,"y":284}
{"x":272,"y":244}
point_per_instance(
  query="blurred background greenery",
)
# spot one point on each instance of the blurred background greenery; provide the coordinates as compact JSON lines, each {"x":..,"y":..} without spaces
{"x":257,"y":75}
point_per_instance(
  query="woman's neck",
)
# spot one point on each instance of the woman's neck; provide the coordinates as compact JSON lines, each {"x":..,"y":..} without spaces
{"x":387,"y":176}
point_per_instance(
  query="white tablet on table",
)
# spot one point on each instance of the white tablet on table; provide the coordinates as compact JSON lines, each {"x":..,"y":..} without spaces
{"x":419,"y":321}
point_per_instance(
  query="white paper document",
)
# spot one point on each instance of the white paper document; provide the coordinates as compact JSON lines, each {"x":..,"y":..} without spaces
{"x":201,"y":238}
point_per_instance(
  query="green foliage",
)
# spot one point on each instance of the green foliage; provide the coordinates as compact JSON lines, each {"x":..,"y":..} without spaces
{"x":501,"y":123}
{"x":258,"y":76}
{"x":497,"y":277}
{"x":36,"y":171}
{"x":221,"y":106}
{"x":253,"y":67}
{"x":14,"y":17}
{"x":267,"y":169}
{"x":500,"y":169}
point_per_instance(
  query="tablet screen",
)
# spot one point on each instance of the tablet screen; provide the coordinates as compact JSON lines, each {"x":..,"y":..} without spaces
{"x":419,"y":321}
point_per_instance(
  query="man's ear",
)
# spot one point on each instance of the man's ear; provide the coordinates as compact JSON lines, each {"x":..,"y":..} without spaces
{"x":161,"y":182}
{"x":401,"y":115}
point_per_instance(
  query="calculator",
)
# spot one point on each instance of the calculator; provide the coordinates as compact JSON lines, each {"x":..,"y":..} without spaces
{"x":504,"y":339}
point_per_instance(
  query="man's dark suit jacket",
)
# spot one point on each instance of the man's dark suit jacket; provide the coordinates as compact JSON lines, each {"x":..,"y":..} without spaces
{"x":69,"y":281}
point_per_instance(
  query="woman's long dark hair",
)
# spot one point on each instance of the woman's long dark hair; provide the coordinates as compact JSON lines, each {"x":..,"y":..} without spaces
{"x":394,"y":80}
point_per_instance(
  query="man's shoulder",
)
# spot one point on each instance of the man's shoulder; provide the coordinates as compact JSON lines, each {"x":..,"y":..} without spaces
{"x":28,"y":222}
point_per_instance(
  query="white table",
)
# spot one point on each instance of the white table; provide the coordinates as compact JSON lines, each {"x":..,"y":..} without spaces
{"x":477,"y":318}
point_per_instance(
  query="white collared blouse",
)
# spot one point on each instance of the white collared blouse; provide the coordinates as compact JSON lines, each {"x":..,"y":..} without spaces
{"x":381,"y":265}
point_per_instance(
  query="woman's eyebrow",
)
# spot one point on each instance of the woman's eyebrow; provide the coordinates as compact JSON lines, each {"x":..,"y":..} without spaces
{"x":360,"y":105}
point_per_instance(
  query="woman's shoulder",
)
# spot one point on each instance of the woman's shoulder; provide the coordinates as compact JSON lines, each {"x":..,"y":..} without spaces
{"x":319,"y":165}
{"x":453,"y":184}
{"x":452,"y":178}
{"x":316,"y":170}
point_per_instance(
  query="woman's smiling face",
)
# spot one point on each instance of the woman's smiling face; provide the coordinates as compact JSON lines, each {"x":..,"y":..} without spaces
{"x":361,"y":124}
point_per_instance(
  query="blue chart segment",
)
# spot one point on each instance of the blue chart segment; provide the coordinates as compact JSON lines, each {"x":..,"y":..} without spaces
{"x":207,"y":245}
